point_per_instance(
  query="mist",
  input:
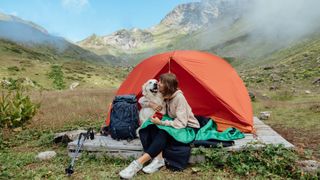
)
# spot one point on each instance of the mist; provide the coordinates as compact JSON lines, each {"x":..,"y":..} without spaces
{"x":15,"y":29}
{"x":285,"y":20}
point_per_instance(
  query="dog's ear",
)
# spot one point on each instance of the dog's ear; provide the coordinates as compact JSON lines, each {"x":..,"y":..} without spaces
{"x":144,"y":91}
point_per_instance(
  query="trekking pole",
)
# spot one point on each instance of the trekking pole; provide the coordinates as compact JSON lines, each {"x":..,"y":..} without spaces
{"x":89,"y":134}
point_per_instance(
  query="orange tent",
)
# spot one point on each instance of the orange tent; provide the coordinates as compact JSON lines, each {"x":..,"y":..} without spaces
{"x":211,"y":86}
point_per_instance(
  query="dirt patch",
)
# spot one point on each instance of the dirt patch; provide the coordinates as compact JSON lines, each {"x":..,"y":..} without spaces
{"x":301,"y":138}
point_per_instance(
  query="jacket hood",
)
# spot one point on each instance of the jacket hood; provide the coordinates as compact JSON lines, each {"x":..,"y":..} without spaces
{"x":176,"y":93}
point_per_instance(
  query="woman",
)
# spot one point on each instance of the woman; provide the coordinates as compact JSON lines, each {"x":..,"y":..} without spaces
{"x":157,"y":135}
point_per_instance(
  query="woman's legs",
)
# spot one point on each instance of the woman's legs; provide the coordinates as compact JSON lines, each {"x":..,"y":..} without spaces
{"x":144,"y":158}
{"x":159,"y":156}
{"x":159,"y":142}
{"x":153,"y":140}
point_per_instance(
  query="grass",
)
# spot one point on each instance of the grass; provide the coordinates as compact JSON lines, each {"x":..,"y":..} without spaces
{"x":296,"y":119}
{"x":20,"y":62}
{"x":62,"y":111}
{"x":24,"y":166}
{"x":69,"y":109}
{"x":295,"y":115}
{"x":83,"y":108}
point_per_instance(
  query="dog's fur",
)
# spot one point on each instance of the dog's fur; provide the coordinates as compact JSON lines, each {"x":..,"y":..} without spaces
{"x":150,"y":93}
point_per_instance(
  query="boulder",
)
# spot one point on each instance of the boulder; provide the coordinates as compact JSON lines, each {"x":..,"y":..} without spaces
{"x":18,"y":129}
{"x":252,"y":96}
{"x":28,"y":82}
{"x":272,"y":88}
{"x":268,"y":67}
{"x":6,"y":82}
{"x":67,"y":136}
{"x":265,"y":115}
{"x":46,"y":155}
{"x":317,"y":81}
{"x":74,"y":85}
{"x":310,"y":166}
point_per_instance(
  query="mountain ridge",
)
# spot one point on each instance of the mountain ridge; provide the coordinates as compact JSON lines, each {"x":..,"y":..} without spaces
{"x":35,"y":37}
{"x":224,"y":27}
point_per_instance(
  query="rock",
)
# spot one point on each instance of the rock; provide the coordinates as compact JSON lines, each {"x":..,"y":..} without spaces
{"x":274,"y":77}
{"x":317,"y":81}
{"x":46,"y":155}
{"x":272,"y":88}
{"x":28,"y":82}
{"x":197,"y":159}
{"x":315,"y":108}
{"x":309,"y":165}
{"x":307,"y":92}
{"x":6,"y":82}
{"x":74,"y":85}
{"x":268,"y":67}
{"x":252,"y":96}
{"x":265,"y":115}
{"x":67,"y":136}
{"x":19,"y":129}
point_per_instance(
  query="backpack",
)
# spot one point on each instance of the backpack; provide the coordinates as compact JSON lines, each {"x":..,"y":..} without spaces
{"x":124,"y":117}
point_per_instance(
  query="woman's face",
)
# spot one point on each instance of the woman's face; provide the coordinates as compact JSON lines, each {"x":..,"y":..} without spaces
{"x":161,"y":87}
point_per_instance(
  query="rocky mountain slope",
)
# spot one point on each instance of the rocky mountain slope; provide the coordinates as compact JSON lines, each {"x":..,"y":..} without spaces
{"x":181,"y":22}
{"x":238,"y":29}
{"x":28,"y":53}
{"x":36,"y":39}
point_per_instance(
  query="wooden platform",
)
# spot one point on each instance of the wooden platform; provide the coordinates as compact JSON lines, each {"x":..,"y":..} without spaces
{"x":106,"y":145}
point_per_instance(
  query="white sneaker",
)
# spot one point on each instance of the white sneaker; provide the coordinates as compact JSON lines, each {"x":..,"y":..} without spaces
{"x":131,"y":170}
{"x":154,"y":166}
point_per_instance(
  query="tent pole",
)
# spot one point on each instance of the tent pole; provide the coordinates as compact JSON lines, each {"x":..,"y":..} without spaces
{"x":170,"y":64}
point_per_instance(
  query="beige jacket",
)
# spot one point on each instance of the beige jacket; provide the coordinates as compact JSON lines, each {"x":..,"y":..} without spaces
{"x":178,"y":108}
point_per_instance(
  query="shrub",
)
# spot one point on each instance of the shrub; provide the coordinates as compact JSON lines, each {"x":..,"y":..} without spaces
{"x":19,"y":83}
{"x":46,"y":139}
{"x":269,"y":161}
{"x":16,"y":108}
{"x":13,"y":68}
{"x":11,"y":84}
{"x":57,"y":75}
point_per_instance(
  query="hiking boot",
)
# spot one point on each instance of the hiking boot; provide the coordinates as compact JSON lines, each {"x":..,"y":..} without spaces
{"x":154,"y":166}
{"x":131,"y":170}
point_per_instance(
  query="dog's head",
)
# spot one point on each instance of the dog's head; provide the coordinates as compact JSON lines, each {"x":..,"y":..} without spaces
{"x":151,"y":86}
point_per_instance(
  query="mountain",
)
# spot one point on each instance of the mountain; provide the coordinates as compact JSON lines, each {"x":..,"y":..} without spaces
{"x":296,"y":66}
{"x":183,"y":21}
{"x":237,"y":29}
{"x":38,"y":40}
{"x":28,"y":54}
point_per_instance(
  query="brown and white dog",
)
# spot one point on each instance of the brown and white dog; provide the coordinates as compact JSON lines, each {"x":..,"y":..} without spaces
{"x":150,"y":93}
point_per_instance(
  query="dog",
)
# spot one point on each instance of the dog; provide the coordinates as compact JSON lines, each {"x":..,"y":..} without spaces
{"x":150,"y":93}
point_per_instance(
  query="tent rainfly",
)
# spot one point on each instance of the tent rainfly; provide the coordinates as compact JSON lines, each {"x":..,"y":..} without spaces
{"x":210,"y":84}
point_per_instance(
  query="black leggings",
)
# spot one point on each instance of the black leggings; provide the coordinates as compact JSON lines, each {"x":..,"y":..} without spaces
{"x":154,"y":140}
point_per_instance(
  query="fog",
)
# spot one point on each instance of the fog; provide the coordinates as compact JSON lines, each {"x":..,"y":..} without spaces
{"x":284,"y":19}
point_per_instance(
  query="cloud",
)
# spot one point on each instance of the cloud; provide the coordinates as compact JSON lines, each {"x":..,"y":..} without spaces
{"x":14,"y":13}
{"x":75,"y":5}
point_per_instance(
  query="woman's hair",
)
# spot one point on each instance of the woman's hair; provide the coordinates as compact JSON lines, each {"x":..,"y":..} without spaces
{"x":170,"y":84}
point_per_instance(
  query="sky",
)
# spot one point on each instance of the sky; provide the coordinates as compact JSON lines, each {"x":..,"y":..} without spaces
{"x":75,"y":20}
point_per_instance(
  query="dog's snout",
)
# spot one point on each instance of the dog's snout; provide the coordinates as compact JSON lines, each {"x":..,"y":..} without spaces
{"x":155,"y":85}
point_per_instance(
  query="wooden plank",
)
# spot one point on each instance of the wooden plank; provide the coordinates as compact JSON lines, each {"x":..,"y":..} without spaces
{"x":102,"y":143}
{"x":105,"y":144}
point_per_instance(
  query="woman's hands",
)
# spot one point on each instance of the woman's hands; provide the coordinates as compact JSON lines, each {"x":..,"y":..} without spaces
{"x":156,"y":120}
{"x":155,"y":107}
